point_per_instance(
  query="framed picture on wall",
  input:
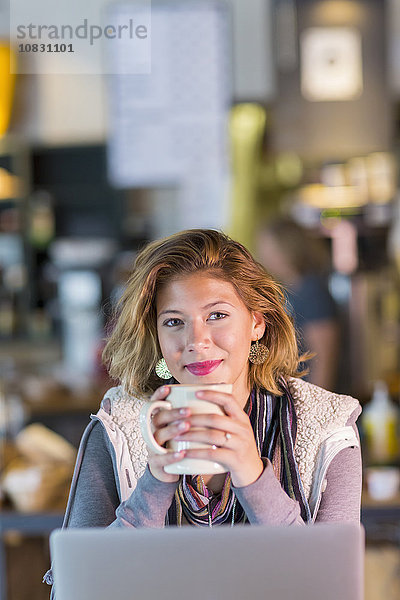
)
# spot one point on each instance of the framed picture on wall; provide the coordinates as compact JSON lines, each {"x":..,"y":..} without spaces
{"x":331,"y":64}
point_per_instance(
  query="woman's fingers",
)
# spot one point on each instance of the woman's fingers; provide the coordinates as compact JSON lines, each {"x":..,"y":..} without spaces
{"x":161,"y":460}
{"x":157,"y":462}
{"x":213,"y":437}
{"x":209,"y":428}
{"x":229,"y":437}
{"x":213,"y":421}
{"x":223,"y":456}
{"x":168,"y":423}
{"x":244,"y":469}
{"x":164,"y":417}
{"x":161,"y":393}
{"x":164,"y":434}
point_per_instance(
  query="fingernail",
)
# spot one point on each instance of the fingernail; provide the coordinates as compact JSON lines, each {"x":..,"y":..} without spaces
{"x":164,"y":388}
{"x":183,"y":411}
{"x":182,"y":425}
{"x":200,"y":394}
{"x":179,"y":454}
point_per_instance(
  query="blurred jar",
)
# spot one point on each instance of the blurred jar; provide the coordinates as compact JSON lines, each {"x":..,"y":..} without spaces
{"x":381,"y":422}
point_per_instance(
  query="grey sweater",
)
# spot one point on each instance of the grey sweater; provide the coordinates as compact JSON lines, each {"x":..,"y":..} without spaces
{"x":96,"y":502}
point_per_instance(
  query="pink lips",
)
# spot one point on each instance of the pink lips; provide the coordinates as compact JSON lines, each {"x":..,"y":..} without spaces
{"x":203,"y":368}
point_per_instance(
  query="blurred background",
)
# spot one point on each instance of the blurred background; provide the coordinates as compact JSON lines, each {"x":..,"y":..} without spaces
{"x":277,"y":121}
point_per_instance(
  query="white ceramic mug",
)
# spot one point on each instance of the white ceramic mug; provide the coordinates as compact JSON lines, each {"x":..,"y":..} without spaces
{"x":182,"y":396}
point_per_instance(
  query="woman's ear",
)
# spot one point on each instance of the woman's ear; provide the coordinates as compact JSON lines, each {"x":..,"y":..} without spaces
{"x":258,"y":325}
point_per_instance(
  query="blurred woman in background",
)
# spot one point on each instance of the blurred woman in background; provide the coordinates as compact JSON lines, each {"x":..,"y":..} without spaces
{"x":300,"y":261}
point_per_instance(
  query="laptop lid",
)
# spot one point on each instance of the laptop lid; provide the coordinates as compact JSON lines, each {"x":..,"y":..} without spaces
{"x":239,"y":563}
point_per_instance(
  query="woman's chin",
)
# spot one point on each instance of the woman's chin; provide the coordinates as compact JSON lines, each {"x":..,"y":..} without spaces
{"x":185,"y":377}
{"x":206,"y":379}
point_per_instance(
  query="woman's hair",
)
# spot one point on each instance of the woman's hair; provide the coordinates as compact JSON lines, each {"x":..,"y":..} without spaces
{"x":132,"y":349}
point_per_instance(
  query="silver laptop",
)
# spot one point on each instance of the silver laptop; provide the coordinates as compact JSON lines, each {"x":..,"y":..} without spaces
{"x":241,"y":563}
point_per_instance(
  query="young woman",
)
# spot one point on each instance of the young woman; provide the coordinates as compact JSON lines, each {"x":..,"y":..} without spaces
{"x":199,"y":309}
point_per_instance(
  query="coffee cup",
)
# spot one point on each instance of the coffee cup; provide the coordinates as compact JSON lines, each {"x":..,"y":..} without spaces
{"x":184,"y":396}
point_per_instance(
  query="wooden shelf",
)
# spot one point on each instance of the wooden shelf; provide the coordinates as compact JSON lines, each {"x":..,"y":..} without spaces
{"x":25,"y":524}
{"x":368,"y":502}
{"x":66,"y":402}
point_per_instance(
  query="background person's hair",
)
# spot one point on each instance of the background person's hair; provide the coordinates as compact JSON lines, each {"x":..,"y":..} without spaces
{"x":132,"y":349}
{"x":305,"y":252}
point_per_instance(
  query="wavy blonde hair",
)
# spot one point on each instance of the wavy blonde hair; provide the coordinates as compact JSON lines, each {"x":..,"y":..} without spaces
{"x":132,"y":349}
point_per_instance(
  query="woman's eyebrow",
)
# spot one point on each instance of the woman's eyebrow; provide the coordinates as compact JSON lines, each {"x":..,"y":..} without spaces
{"x":170,"y":311}
{"x":178,"y":312}
{"x":217,"y":302}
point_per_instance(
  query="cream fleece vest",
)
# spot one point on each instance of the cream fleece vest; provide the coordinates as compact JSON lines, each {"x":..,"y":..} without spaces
{"x":319,"y":414}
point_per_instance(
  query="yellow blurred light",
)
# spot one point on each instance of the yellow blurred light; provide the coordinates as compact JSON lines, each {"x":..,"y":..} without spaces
{"x":289,"y":169}
{"x":9,"y":185}
{"x":321,"y":196}
{"x":7,"y":85}
{"x":247,"y":118}
{"x":337,"y":12}
{"x":382,"y":177}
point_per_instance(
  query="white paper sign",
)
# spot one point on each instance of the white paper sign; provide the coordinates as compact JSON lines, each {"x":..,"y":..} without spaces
{"x":173,"y":123}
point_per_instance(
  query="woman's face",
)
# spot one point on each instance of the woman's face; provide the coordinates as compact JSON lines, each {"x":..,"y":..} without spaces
{"x":205,"y":332}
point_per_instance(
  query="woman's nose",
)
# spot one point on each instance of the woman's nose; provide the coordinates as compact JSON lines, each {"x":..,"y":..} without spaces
{"x":197,"y":338}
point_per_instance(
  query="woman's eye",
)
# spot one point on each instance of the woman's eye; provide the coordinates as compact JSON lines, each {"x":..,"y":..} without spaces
{"x":215,"y":316}
{"x":172,"y":322}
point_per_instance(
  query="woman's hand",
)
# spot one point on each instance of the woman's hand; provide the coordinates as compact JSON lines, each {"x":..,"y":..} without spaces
{"x":167,"y":424}
{"x":231,"y":435}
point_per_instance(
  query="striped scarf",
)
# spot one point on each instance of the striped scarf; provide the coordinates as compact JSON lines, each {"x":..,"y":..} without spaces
{"x":274,"y":424}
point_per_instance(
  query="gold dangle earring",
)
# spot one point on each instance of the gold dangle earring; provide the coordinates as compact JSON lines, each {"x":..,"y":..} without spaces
{"x":162,"y":370}
{"x":258,"y":353}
